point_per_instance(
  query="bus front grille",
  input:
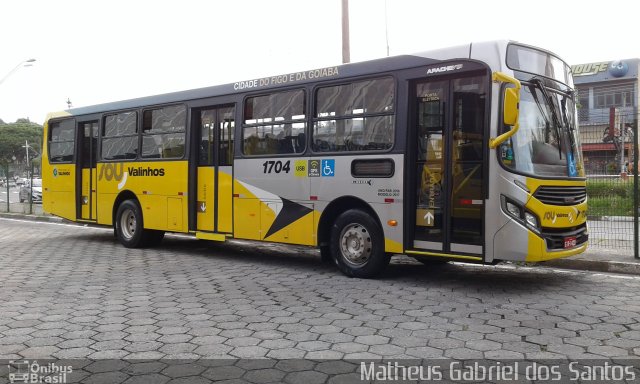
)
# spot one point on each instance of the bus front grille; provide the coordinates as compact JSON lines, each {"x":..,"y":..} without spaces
{"x":558,"y":195}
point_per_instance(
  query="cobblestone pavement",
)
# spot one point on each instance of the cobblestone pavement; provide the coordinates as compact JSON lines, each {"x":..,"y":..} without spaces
{"x":72,"y":292}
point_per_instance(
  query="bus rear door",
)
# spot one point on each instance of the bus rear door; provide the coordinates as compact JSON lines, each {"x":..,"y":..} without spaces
{"x":214,"y":176}
{"x":87,"y":192}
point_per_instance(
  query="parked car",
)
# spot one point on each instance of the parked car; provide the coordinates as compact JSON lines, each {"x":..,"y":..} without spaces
{"x":36,"y":191}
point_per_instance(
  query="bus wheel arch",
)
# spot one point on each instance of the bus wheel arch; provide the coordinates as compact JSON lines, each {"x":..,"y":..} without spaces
{"x":122,"y":196}
{"x":129,"y":224}
{"x":352,"y":218}
{"x":127,"y":201}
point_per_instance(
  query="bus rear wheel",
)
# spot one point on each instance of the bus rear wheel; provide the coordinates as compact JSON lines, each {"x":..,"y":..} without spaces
{"x":357,"y":245}
{"x":129,"y":226}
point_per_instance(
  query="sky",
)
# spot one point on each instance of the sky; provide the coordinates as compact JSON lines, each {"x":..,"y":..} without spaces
{"x":97,"y":51}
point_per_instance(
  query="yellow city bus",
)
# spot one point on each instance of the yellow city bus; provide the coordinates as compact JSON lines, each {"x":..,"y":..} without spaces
{"x":469,"y":153}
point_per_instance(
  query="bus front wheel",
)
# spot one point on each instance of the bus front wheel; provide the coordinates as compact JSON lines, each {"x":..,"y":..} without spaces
{"x":129,"y":226}
{"x":357,"y":244}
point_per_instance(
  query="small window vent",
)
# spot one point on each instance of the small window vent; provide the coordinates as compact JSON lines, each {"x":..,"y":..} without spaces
{"x":373,"y":168}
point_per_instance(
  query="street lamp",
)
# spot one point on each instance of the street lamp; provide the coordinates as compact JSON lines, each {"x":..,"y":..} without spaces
{"x":26,"y":146}
{"x":24,"y":63}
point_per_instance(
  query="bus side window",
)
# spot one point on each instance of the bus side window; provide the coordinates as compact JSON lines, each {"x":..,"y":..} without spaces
{"x":270,"y":122}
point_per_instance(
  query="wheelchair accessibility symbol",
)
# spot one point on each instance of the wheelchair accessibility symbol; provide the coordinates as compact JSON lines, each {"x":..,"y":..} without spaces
{"x":573,"y":172}
{"x":328,"y":168}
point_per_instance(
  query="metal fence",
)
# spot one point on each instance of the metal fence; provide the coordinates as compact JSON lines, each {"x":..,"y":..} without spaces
{"x":20,"y":190}
{"x":611,"y":168}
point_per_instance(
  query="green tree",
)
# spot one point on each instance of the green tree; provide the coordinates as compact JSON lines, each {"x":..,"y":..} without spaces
{"x":13,"y":137}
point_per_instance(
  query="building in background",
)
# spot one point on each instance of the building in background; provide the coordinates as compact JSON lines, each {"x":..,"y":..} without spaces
{"x":607,"y":113}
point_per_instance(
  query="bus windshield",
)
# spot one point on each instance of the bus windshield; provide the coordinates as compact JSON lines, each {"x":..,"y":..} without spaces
{"x":547,"y":143}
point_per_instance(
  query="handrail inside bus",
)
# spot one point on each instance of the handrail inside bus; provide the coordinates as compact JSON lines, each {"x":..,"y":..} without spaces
{"x":510,"y":105}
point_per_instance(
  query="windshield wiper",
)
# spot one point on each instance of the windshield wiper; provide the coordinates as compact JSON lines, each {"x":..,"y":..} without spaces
{"x":547,"y":123}
{"x":552,"y":109}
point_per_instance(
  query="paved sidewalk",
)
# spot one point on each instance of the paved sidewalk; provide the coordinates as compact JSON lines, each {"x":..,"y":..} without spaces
{"x":597,"y":259}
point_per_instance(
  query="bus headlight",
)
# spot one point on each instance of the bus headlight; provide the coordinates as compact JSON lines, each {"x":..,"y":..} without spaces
{"x":520,"y":214}
{"x":513,"y":209}
{"x":531,"y":219}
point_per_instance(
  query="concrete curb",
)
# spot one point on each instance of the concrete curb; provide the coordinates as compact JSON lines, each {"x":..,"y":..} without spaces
{"x":22,"y":216}
{"x":630,"y":268}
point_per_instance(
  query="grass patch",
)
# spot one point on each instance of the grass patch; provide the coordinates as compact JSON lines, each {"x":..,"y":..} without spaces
{"x":613,"y":197}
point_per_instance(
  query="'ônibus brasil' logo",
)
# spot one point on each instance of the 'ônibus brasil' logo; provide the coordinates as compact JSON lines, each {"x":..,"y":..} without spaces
{"x":113,"y":171}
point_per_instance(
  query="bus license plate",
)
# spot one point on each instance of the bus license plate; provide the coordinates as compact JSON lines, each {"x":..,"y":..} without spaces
{"x":569,"y":242}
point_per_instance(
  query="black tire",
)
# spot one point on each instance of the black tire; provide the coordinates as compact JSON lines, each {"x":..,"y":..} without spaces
{"x":129,"y":225}
{"x":357,"y":245}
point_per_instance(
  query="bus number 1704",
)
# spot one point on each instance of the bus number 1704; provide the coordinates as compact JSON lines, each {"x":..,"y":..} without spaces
{"x":272,"y":166}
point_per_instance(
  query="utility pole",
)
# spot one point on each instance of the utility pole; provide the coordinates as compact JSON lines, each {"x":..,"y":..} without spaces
{"x":386,"y":27}
{"x":346,"y":55}
{"x":26,"y":146}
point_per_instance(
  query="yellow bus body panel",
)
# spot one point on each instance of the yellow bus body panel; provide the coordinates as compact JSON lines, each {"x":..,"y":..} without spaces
{"x":59,"y":190}
{"x":225,"y":201}
{"x":254,"y":217}
{"x":206,"y":189}
{"x":159,"y":186}
{"x":88,"y":197}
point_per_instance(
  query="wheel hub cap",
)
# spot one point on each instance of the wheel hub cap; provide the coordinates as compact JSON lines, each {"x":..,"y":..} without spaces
{"x":355,"y":244}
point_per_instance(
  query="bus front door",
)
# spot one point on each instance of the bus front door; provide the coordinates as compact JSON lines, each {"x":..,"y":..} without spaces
{"x":449,"y":121}
{"x":86,"y":194}
{"x":214,"y":196}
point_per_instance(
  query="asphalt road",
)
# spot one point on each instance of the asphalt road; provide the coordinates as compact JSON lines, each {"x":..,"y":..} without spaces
{"x":74,"y":292}
{"x":13,"y":195}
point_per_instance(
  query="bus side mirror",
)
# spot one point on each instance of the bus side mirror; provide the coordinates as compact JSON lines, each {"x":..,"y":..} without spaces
{"x":511,"y":104}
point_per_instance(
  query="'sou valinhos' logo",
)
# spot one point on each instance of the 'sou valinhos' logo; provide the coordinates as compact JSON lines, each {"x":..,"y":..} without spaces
{"x":55,"y":172}
{"x":113,"y":171}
